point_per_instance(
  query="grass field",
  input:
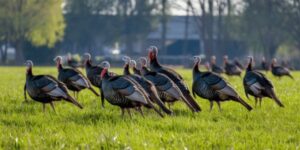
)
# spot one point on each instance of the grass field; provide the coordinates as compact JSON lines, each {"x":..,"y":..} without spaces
{"x":25,"y":126}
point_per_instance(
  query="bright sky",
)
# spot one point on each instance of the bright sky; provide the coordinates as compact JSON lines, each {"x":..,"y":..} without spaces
{"x":178,"y":6}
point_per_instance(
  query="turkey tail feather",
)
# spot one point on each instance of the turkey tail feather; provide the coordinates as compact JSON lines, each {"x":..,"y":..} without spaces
{"x":188,"y":103}
{"x":94,"y":91}
{"x":160,"y":104}
{"x":72,"y":100}
{"x":291,"y":76}
{"x":192,"y":102}
{"x":155,"y":109}
{"x":240,"y":100}
{"x":274,"y":97}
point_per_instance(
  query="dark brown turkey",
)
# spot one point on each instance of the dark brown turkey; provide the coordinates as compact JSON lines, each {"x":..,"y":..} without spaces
{"x":230,"y":68}
{"x":173,"y":75}
{"x":213,"y":87}
{"x":166,"y":88}
{"x":93,"y":72}
{"x":45,"y":88}
{"x":214,"y":67}
{"x":257,"y":85}
{"x":265,"y":65}
{"x":279,"y":71}
{"x":145,"y":84}
{"x":73,"y":78}
{"x":121,"y":91}
{"x":238,"y":63}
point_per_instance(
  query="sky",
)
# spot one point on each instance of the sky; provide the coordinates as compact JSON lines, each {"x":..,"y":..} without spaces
{"x":178,"y":7}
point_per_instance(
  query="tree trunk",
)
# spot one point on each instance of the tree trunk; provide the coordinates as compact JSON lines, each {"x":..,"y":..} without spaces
{"x":203,"y":27}
{"x":164,"y":27}
{"x":210,"y":41}
{"x":4,"y":53}
{"x":186,"y":29}
{"x":220,"y":27}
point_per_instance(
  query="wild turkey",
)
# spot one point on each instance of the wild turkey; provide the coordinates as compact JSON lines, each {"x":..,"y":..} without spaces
{"x":265,"y":65}
{"x":45,"y":88}
{"x":174,"y":76}
{"x":121,"y":91}
{"x":92,"y":73}
{"x":280,"y":71}
{"x":238,"y":63}
{"x":257,"y":85}
{"x":145,"y":84}
{"x":166,"y":88}
{"x":230,"y":68}
{"x":213,"y":87}
{"x":72,"y":62}
{"x":214,"y":67}
{"x":73,"y":78}
{"x":286,"y":64}
{"x":132,"y":65}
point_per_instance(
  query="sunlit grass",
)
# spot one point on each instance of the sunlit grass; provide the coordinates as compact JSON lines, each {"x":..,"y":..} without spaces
{"x":24,"y":125}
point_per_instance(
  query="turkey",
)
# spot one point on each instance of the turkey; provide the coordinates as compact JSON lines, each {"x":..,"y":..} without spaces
{"x":286,"y":64}
{"x":257,"y":85}
{"x":214,"y":67}
{"x":121,"y":91}
{"x":213,"y":87}
{"x":92,"y":73}
{"x":174,"y":76}
{"x":230,"y":68}
{"x":167,"y":89}
{"x":280,"y":71}
{"x":238,"y":63}
{"x":73,"y":78}
{"x":46,"y":89}
{"x":72,"y":62}
{"x":145,"y":84}
{"x":132,"y":65}
{"x":265,"y":65}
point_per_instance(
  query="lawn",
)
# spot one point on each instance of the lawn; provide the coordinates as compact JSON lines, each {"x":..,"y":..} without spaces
{"x":26,"y":126}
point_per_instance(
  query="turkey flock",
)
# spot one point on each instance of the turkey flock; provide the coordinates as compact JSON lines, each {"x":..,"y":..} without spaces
{"x":151,"y":84}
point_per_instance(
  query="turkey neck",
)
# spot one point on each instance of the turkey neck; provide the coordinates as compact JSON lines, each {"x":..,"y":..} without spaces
{"x":272,"y":65}
{"x":136,"y":71}
{"x":59,"y":66}
{"x":144,"y":70}
{"x":249,"y":68}
{"x":88,"y":64}
{"x":29,"y":73}
{"x":106,"y":76}
{"x":213,"y":62}
{"x":126,"y":69}
{"x":225,"y":62}
{"x":196,"y":70}
{"x":154,"y":63}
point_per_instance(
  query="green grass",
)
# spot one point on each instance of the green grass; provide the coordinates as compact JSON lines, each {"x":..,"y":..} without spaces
{"x":25,"y":126}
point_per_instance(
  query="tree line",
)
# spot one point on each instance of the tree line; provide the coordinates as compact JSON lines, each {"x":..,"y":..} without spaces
{"x":262,"y":26}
